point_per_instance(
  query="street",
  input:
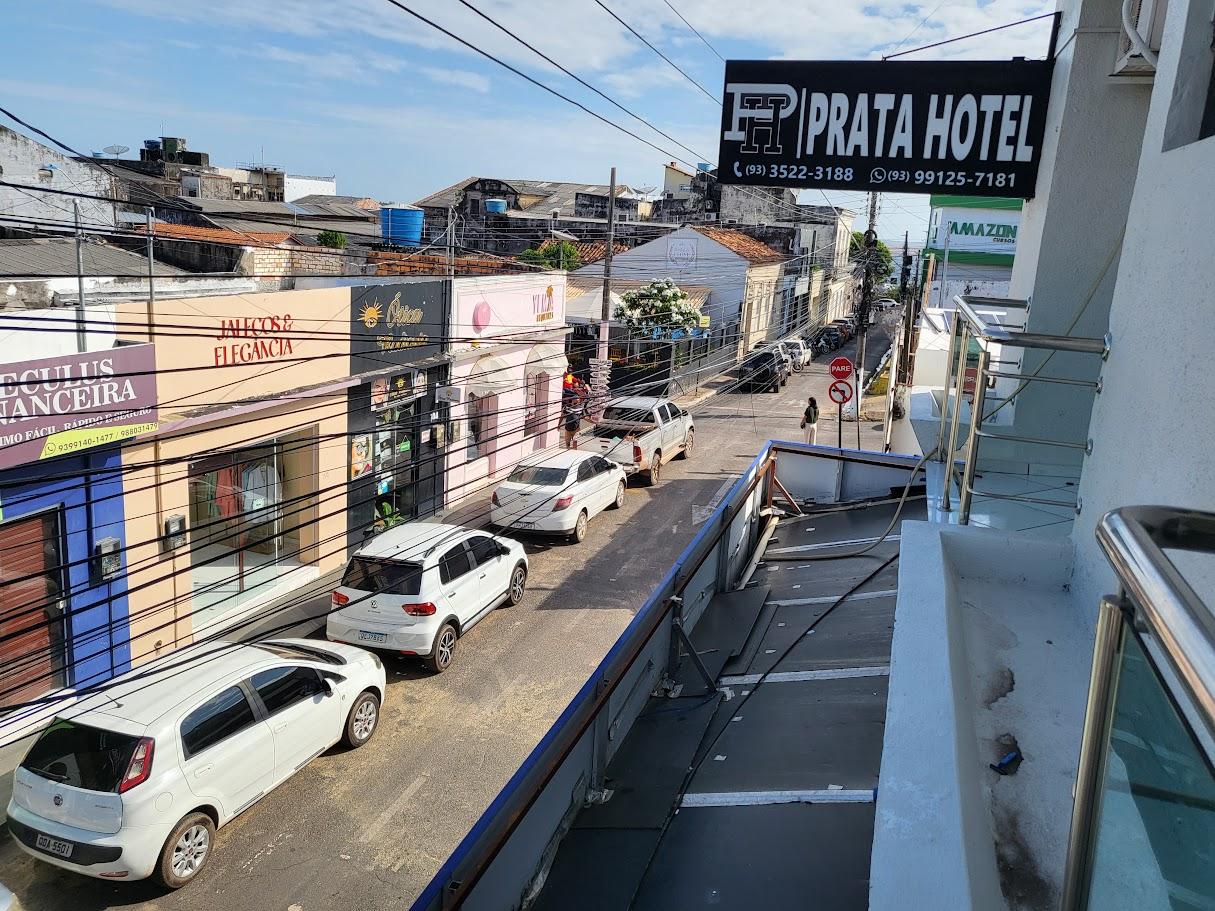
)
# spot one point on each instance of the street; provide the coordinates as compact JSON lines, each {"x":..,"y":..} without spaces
{"x":367,"y":829}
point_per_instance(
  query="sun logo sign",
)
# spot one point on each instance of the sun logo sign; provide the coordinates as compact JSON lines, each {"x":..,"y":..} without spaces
{"x":370,"y":315}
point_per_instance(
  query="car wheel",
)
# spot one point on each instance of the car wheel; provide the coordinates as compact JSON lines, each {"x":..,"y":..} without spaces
{"x":363,"y":719}
{"x":518,"y":585}
{"x":687,"y":445}
{"x":186,"y":851}
{"x":580,"y":527}
{"x":619,"y":501}
{"x":443,"y":650}
{"x":652,"y":476}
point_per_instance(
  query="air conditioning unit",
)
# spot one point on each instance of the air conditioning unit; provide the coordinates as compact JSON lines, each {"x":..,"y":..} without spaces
{"x":1146,"y":19}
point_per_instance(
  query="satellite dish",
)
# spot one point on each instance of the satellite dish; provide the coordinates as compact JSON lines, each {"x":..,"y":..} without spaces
{"x":644,"y":191}
{"x":116,"y":150}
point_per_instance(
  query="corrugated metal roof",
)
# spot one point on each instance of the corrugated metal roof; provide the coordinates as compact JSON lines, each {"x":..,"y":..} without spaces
{"x":56,"y":257}
{"x":554,"y":194}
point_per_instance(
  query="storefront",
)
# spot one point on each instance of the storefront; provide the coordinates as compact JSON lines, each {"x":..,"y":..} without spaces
{"x":508,"y":357}
{"x":397,"y":427}
{"x":64,"y":611}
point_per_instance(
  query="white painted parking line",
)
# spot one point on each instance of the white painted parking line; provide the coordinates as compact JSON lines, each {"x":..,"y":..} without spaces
{"x":831,"y":599}
{"x":832,"y":673}
{"x":765,"y":798}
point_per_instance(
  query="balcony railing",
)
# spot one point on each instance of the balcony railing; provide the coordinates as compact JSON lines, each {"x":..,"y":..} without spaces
{"x":1143,"y":821}
{"x":969,"y":324}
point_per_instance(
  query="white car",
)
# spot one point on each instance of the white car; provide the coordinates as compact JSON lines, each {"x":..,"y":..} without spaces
{"x":800,"y":352}
{"x":558,"y":493}
{"x":133,"y":781}
{"x":417,"y":588}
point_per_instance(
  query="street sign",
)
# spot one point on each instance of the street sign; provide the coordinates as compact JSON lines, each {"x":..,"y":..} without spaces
{"x":973,"y":128}
{"x":841,"y":368}
{"x":840,"y":392}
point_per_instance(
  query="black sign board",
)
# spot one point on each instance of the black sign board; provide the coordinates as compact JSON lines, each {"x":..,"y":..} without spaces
{"x":957,"y":127}
{"x":395,"y":324}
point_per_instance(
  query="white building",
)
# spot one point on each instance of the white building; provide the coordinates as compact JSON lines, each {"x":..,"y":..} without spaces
{"x":24,"y":161}
{"x":297,"y":185}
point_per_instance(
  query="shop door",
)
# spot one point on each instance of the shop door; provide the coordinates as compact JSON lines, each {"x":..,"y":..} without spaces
{"x":31,"y":619}
{"x":395,"y":461}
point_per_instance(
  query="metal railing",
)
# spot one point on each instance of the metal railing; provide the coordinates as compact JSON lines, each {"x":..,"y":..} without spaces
{"x":1143,"y":820}
{"x":970,"y":325}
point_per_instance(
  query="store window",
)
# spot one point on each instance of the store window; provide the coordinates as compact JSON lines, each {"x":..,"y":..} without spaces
{"x":395,"y":456}
{"x":253,"y":516}
{"x":32,"y":627}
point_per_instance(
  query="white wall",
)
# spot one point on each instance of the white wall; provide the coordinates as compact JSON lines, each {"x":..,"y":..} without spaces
{"x":20,"y":160}
{"x":295,"y":186}
{"x":1153,"y":426}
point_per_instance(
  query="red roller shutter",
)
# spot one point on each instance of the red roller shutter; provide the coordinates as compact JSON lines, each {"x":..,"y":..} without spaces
{"x":31,"y":639}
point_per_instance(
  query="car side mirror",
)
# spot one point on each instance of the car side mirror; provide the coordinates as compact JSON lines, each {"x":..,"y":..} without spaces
{"x":503,"y":550}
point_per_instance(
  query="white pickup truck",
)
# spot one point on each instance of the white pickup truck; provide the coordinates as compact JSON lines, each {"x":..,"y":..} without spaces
{"x":641,"y":433}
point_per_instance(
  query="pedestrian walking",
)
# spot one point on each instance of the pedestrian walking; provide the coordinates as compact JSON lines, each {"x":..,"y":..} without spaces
{"x":810,"y":421}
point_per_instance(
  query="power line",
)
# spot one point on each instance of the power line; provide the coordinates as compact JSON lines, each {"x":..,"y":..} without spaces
{"x":671,"y":62}
{"x":693,"y":30}
{"x":985,"y":31}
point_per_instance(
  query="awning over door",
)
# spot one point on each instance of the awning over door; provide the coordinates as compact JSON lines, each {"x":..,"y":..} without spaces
{"x":546,"y":358}
{"x":490,"y":376}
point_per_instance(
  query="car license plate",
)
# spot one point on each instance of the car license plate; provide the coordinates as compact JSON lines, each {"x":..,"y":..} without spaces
{"x":365,"y":636}
{"x":525,"y":525}
{"x":54,"y":846}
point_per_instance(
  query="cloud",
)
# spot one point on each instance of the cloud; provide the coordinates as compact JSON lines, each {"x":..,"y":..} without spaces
{"x":460,"y":78}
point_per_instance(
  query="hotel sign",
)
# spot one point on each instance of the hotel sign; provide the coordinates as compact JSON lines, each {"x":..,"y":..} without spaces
{"x":960,"y":127}
{"x":63,"y":405}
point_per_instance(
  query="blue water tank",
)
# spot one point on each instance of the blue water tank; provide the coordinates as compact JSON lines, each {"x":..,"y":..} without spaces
{"x":401,"y":225}
{"x":495,"y":206}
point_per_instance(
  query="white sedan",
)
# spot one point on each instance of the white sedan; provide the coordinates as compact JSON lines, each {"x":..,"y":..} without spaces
{"x":133,"y":781}
{"x":558,"y":493}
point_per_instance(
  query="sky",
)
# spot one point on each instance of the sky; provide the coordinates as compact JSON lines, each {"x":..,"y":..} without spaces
{"x":398,"y":110}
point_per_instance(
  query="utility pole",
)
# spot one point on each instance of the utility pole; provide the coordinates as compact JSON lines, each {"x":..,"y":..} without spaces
{"x":866,"y":302}
{"x":945,"y":265}
{"x":151,"y":271}
{"x":451,"y":243}
{"x":600,"y":369}
{"x":82,"y":340}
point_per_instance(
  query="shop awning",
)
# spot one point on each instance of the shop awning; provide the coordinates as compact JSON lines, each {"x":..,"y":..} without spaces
{"x":545,"y":358}
{"x":490,"y":376}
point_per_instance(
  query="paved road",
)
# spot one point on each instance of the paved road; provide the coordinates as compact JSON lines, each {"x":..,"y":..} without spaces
{"x":366,"y":830}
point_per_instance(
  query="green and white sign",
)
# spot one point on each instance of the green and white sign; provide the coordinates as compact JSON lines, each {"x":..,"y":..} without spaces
{"x":977,"y":230}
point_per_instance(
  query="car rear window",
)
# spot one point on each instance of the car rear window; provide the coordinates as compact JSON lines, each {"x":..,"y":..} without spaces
{"x":538,"y":475}
{"x":391,"y":577}
{"x":633,"y":415}
{"x":81,"y":756}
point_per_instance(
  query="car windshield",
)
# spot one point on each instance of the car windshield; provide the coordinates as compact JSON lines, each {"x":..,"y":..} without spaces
{"x":296,"y":652}
{"x":752,"y":362}
{"x":538,"y":475}
{"x":81,"y":756}
{"x":390,"y":577}
{"x":627,"y":415}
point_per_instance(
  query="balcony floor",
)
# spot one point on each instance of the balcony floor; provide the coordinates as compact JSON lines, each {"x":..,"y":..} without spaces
{"x":781,"y":808}
{"x":1007,"y":515}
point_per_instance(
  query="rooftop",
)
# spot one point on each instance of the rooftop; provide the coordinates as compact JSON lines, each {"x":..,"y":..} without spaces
{"x":746,"y":246}
{"x":551,"y":194}
{"x":219,"y":235}
{"x":587,"y":252}
{"x":55,"y":257}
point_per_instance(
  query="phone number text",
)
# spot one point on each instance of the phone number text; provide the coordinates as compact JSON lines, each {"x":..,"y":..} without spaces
{"x":927,"y":178}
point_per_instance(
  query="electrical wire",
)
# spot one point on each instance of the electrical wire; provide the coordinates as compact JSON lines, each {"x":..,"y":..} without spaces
{"x":669,"y":61}
{"x":691,"y":28}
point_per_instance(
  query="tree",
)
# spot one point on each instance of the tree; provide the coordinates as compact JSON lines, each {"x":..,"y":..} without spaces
{"x":884,"y":265}
{"x":660,"y":306}
{"x":334,"y":239}
{"x":559,"y":255}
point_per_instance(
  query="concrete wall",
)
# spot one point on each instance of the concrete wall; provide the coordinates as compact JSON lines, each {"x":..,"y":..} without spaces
{"x":1070,"y":234}
{"x":295,"y":186}
{"x":755,"y":205}
{"x":1154,"y":424}
{"x":20,"y":161}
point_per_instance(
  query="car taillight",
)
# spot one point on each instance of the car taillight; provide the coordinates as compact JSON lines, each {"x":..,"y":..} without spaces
{"x":425,"y":609}
{"x":637,"y":453}
{"x":563,"y":502}
{"x":339,"y":599}
{"x":140,"y":766}
{"x":494,"y":499}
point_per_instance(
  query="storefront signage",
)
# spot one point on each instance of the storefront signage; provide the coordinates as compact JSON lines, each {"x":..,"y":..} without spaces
{"x":510,"y":306}
{"x":542,"y":305}
{"x":251,"y":339}
{"x":962,"y":127}
{"x":978,"y":230}
{"x":63,"y":405}
{"x":395,"y":324}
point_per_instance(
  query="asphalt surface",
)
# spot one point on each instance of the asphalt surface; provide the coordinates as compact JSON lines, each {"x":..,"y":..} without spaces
{"x":367,"y":829}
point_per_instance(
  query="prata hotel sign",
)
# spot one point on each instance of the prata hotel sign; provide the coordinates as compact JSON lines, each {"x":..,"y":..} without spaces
{"x":960,"y":127}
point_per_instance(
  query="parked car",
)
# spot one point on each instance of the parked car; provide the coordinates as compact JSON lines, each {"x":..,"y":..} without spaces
{"x":641,"y":433}
{"x":763,"y":370}
{"x":558,"y":493}
{"x":886,"y":303}
{"x":782,"y":351}
{"x":800,"y":351}
{"x":832,"y":337}
{"x":418,"y":588}
{"x":135,"y":782}
{"x":846,"y":327}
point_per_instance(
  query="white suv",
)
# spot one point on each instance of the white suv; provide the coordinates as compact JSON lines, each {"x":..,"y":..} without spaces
{"x":417,"y":588}
{"x":133,"y":781}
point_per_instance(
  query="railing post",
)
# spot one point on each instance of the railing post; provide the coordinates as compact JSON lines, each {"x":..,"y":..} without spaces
{"x":1091,"y":768}
{"x":978,"y":403}
{"x":963,"y":344}
{"x":953,"y":354}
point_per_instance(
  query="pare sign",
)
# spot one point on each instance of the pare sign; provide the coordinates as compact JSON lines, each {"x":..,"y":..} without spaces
{"x":972,"y":128}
